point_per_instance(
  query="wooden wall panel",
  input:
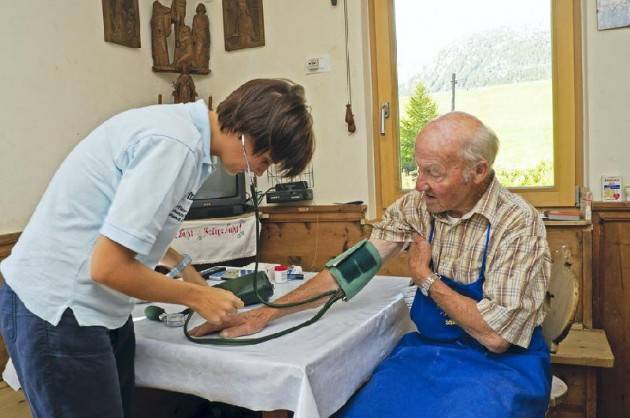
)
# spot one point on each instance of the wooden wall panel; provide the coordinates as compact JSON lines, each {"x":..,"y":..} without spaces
{"x":574,"y":404}
{"x":611,"y":271}
{"x":307,"y":244}
{"x":574,"y":237}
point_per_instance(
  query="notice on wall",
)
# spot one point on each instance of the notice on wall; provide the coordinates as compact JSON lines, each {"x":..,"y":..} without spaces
{"x":612,"y":188}
{"x":217,"y":240}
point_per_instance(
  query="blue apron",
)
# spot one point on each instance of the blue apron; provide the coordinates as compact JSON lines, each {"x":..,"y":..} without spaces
{"x":442,"y":372}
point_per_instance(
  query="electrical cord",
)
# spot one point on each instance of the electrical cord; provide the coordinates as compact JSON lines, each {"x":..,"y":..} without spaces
{"x":261,"y":195}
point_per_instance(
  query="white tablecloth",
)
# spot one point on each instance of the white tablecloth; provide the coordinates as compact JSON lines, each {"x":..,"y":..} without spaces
{"x":312,"y":371}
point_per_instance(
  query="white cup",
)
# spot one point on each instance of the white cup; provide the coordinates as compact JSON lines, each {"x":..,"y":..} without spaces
{"x":280,"y":274}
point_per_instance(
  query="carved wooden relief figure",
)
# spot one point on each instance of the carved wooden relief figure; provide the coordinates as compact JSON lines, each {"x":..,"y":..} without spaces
{"x":178,"y":16}
{"x":191,"y":47}
{"x":184,"y":91}
{"x":243,"y":24}
{"x":121,"y":22}
{"x":184,"y":53}
{"x":201,"y":38}
{"x":160,"y":30}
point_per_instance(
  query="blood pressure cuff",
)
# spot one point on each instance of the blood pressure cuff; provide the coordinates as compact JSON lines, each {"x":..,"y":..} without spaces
{"x":355,"y":267}
{"x":243,"y":287}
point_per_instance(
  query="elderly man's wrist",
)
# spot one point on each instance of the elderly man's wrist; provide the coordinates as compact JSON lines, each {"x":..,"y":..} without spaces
{"x":422,"y":275}
{"x":428,"y":282}
{"x":270,"y":313}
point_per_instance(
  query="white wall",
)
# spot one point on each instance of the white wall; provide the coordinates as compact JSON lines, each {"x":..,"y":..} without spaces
{"x":607,"y":100}
{"x":295,"y":29}
{"x":60,"y":80}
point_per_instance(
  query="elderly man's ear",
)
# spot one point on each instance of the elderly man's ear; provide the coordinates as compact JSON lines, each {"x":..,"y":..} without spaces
{"x":479,"y":172}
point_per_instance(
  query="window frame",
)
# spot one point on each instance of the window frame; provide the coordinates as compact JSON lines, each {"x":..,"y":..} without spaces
{"x":567,"y":106}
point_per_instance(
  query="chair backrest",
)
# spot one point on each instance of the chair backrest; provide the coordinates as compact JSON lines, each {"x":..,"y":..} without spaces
{"x":562,"y":298}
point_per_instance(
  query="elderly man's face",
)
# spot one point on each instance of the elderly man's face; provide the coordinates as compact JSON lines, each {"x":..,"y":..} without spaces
{"x":442,"y":175}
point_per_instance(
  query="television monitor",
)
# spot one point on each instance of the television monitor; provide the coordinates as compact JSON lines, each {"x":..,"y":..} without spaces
{"x":221,"y":195}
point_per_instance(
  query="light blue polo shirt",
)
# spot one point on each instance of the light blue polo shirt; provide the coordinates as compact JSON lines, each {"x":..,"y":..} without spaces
{"x":131,"y":179}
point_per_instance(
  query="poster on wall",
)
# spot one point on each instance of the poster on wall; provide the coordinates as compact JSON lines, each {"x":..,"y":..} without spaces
{"x":613,"y":14}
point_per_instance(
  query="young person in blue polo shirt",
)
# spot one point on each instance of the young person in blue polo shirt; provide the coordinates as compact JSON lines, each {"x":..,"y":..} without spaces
{"x":106,"y":220}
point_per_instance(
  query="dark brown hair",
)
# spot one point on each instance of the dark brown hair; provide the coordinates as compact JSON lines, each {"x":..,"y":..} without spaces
{"x":274,"y":113}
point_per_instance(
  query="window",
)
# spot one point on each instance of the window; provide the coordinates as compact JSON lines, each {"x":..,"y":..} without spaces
{"x":518,"y":72}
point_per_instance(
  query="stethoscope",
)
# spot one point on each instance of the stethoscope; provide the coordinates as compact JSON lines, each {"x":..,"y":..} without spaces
{"x":333,"y":295}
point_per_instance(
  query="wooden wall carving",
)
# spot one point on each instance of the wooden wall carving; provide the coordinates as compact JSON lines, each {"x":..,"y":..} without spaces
{"x":243,"y":24}
{"x":121,"y":22}
{"x":191,"y":53}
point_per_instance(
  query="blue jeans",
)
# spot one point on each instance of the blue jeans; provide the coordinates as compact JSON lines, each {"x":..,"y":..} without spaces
{"x":68,"y":370}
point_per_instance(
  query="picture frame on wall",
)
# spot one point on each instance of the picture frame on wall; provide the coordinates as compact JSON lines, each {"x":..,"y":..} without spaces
{"x":243,"y":24}
{"x":121,"y":22}
{"x":613,"y":14}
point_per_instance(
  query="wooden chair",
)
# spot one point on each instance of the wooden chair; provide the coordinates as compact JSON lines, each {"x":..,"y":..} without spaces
{"x":561,"y":304}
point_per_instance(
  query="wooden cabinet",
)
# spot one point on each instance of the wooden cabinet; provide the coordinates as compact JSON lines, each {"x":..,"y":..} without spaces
{"x":309,"y":235}
{"x":611,"y":307}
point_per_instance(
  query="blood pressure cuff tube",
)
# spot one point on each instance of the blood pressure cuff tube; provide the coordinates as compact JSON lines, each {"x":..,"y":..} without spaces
{"x":355,"y":267}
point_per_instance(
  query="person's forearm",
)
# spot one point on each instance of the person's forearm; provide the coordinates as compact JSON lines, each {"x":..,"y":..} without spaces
{"x":137,"y":280}
{"x":324,"y":282}
{"x":171,"y":258}
{"x":116,"y":267}
{"x":463,"y":310}
{"x":321,"y":283}
{"x":191,"y":275}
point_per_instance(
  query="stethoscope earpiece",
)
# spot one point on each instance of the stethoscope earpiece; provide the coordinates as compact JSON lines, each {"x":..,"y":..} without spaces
{"x":249,"y":173}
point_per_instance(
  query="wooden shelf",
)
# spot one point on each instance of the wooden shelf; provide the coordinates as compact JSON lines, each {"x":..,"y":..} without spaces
{"x":313,"y":213}
{"x":611,"y":206}
{"x":585,"y":347}
{"x":566,"y":223}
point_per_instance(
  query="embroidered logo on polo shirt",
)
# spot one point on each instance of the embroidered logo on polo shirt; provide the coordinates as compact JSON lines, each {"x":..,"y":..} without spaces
{"x":180,"y":211}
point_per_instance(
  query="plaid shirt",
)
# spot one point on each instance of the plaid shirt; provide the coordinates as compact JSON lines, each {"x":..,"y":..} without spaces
{"x":518,"y":264}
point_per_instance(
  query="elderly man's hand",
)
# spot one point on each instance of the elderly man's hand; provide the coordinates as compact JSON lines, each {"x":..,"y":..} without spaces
{"x":244,"y":323}
{"x":419,"y":259}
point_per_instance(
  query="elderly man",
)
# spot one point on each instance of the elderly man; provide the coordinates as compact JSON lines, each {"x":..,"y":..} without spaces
{"x":480,"y":259}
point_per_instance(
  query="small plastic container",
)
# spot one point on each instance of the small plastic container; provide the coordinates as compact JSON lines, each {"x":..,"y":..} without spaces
{"x":295,"y":273}
{"x":280,"y":274}
{"x":174,"y":320}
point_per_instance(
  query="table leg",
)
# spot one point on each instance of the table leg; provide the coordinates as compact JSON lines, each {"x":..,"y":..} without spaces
{"x":280,"y":413}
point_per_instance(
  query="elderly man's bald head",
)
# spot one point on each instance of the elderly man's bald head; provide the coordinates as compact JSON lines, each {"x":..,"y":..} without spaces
{"x":464,"y":132}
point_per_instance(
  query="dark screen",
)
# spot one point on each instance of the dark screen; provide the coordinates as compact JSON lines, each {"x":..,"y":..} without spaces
{"x":219,"y":184}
